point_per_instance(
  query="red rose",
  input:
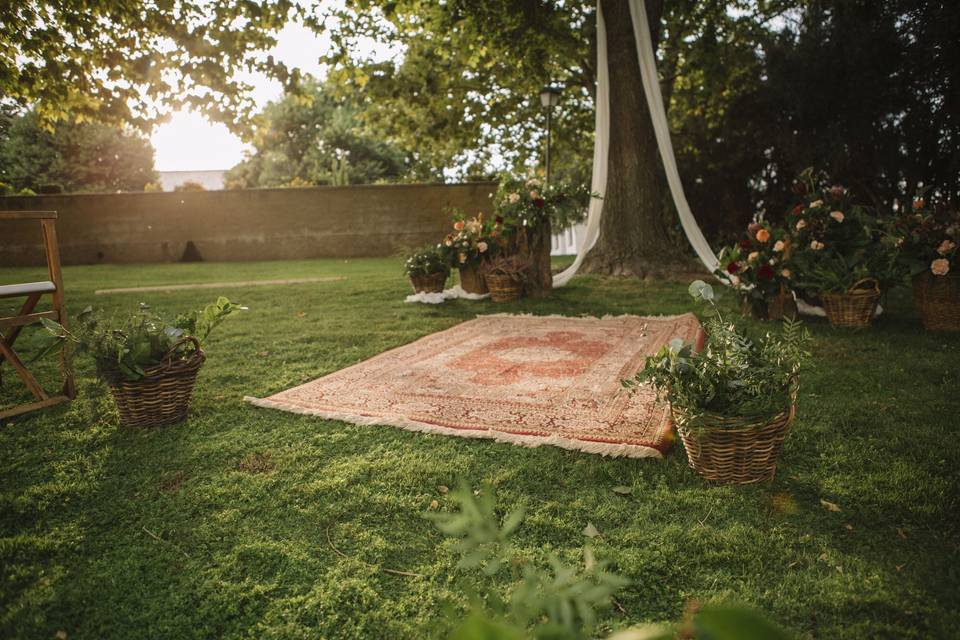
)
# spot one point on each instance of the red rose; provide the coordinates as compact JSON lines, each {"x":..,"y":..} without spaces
{"x":799,"y":188}
{"x":797,"y":210}
{"x":498,"y":219}
{"x":733,"y":267}
{"x":538,"y":203}
{"x":744,"y":244}
{"x":765,"y":272}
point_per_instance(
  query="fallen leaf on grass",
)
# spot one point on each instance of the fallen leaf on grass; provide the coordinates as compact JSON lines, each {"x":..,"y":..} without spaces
{"x":848,"y":527}
{"x":434,"y":505}
{"x":301,"y":314}
{"x":901,"y":566}
{"x":622,"y":490}
{"x":830,"y":506}
{"x":901,"y":533}
{"x":60,"y":635}
{"x":444,"y":489}
{"x":591,"y":531}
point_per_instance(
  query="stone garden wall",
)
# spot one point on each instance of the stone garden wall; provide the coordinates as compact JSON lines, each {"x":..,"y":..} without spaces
{"x":255,"y":224}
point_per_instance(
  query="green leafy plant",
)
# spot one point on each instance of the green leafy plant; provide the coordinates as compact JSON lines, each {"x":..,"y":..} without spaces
{"x":427,"y":261}
{"x":558,"y":601}
{"x":732,"y":375}
{"x":561,"y":602}
{"x":125,"y":347}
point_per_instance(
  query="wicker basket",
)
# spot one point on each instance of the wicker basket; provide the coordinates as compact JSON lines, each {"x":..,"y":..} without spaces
{"x":430,"y":283}
{"x":937,"y":298}
{"x":856,"y":307}
{"x":503,"y":288}
{"x":472,"y":280}
{"x":777,"y":308}
{"x":162,"y":396}
{"x":734,"y":450}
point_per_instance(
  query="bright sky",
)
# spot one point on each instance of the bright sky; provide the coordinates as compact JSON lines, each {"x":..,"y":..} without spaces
{"x":189,"y":142}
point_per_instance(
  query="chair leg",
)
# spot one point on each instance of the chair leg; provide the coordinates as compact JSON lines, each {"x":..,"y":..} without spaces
{"x":22,"y":371}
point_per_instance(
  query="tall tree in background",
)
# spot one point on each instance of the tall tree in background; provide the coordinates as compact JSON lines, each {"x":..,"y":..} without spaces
{"x":315,"y":137}
{"x":128,"y":62}
{"x":73,"y":157}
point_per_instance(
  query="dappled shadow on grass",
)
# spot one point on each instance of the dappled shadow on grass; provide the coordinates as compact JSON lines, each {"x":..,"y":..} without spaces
{"x":259,"y":554}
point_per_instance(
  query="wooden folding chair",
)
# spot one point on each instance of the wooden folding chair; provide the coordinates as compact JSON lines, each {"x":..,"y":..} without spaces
{"x":11,"y":326}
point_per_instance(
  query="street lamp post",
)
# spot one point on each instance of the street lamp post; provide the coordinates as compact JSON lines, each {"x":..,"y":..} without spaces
{"x":549,"y":98}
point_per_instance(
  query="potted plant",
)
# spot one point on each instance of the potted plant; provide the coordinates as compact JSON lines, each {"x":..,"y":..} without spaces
{"x":471,"y":244}
{"x":758,"y":267}
{"x":733,"y":400}
{"x":505,"y":276}
{"x":531,"y":210}
{"x":149,"y":364}
{"x":428,"y":269}
{"x":838,"y":252}
{"x":928,"y":238}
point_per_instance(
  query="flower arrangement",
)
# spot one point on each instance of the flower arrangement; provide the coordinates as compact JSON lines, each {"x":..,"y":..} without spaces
{"x":928,"y":238}
{"x":428,"y":261}
{"x":733,"y":375}
{"x":836,"y":243}
{"x":473,"y":240}
{"x":758,"y":266}
{"x":526,"y":203}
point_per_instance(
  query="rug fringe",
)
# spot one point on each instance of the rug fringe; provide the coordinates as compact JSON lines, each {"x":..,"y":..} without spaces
{"x":600,"y":448}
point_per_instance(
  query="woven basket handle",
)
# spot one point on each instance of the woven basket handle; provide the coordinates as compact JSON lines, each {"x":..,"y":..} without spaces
{"x":866,"y":281}
{"x":168,"y":356}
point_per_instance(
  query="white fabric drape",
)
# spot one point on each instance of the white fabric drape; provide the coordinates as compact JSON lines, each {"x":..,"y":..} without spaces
{"x":601,"y":144}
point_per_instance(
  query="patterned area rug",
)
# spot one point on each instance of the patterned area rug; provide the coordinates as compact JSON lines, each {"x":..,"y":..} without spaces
{"x":527,"y":380}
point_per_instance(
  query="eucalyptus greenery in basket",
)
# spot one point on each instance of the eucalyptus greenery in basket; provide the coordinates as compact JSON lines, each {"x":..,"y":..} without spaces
{"x":126,"y":347}
{"x":732,"y":401}
{"x":733,"y":375}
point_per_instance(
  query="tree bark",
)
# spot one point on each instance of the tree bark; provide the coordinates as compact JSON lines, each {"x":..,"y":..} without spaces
{"x":537,"y":241}
{"x":634,"y":230}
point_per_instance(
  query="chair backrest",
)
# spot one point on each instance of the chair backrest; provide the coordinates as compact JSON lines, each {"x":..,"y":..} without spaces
{"x":51,"y":248}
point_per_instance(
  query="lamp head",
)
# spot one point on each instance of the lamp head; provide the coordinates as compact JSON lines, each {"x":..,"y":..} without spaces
{"x":550,"y":96}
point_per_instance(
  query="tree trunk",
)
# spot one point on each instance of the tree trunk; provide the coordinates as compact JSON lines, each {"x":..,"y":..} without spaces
{"x":540,"y":282}
{"x":634,"y":230}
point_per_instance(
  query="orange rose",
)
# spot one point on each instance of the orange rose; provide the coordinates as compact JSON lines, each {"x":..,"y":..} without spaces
{"x":763,"y":235}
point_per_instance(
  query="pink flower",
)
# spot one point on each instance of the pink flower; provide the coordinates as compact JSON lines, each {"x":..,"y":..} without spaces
{"x":763,"y":235}
{"x":946,"y":247}
{"x":940,"y":267}
{"x":816,"y":204}
{"x":753,"y":256}
{"x":785,"y":273}
{"x":816,"y":246}
{"x":513,"y":197}
{"x":463,"y":258}
{"x":801,"y":225}
{"x":837,"y":191}
{"x":458,"y":225}
{"x":837,"y":215}
{"x":734,"y":280}
{"x":534,"y":195}
{"x":481,"y":246}
{"x":779,"y":246}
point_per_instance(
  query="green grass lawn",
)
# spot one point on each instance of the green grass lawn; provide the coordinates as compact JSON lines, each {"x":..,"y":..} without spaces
{"x":225,"y":525}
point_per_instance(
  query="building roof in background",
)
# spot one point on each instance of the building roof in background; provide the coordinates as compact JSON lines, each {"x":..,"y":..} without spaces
{"x":211,"y":179}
